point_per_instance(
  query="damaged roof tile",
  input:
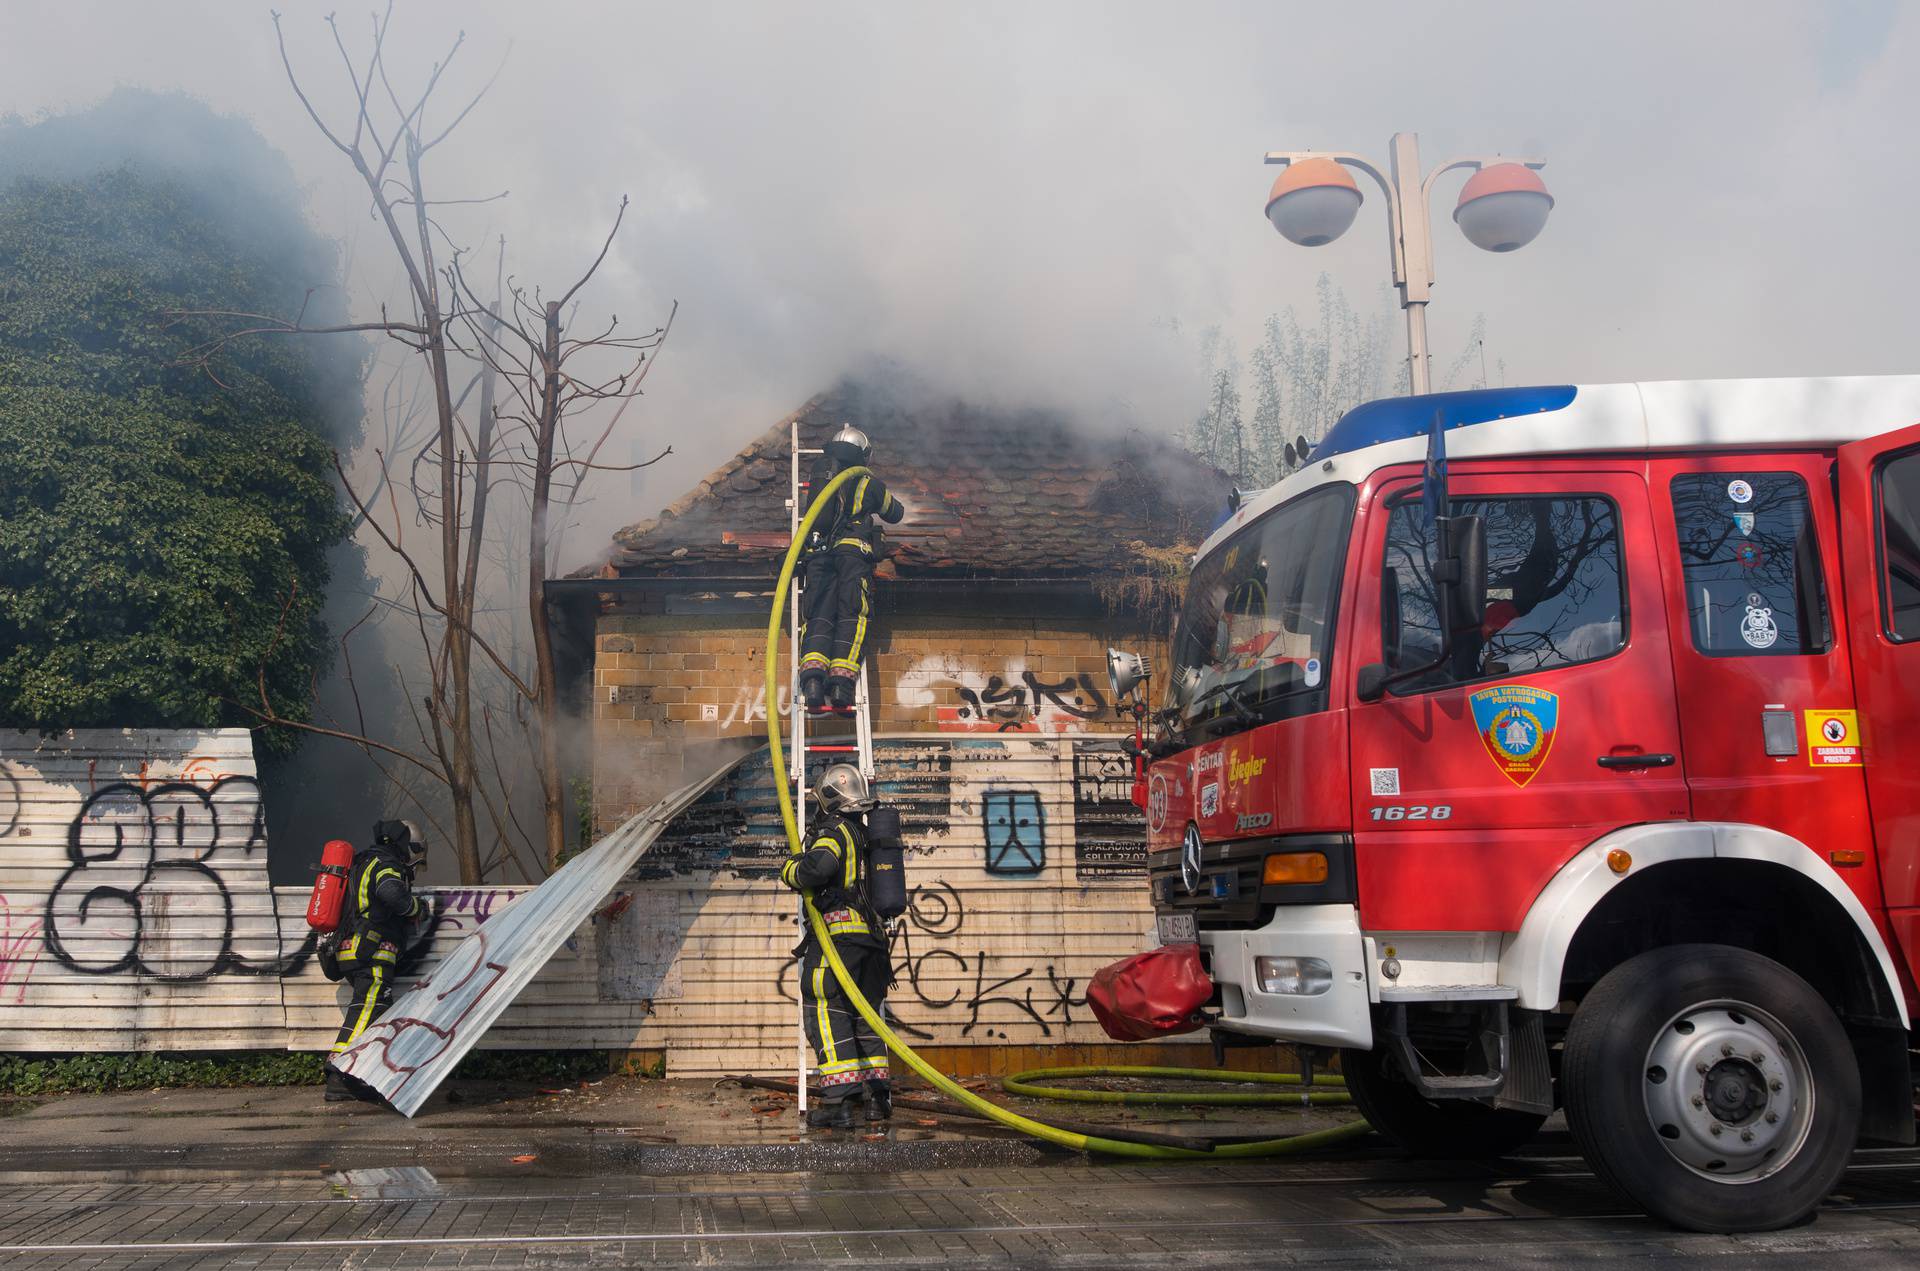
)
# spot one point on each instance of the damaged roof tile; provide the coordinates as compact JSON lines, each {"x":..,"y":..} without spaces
{"x":1008,"y":492}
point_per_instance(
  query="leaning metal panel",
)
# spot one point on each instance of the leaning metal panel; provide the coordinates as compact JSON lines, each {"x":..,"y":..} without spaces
{"x":422,"y":1036}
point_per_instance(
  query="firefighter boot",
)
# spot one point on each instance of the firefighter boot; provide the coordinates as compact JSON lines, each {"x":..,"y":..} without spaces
{"x":813,"y":690}
{"x":337,"y":1089}
{"x":831,"y":1114}
{"x":879,"y":1100}
{"x":840,"y":692}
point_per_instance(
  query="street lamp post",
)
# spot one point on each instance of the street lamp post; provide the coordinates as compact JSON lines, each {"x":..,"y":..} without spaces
{"x":1502,"y":207}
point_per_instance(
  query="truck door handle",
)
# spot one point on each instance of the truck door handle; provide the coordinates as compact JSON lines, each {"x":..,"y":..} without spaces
{"x":1636,"y":761}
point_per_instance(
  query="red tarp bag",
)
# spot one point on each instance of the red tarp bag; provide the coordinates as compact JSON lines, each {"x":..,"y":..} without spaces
{"x":1151,"y":994}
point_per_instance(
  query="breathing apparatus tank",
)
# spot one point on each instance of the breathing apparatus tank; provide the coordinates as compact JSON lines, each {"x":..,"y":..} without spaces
{"x":329,"y":896}
{"x":887,"y":857}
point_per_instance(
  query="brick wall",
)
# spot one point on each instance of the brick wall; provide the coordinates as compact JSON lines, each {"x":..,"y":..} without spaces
{"x":993,"y":724}
{"x":674,"y":692}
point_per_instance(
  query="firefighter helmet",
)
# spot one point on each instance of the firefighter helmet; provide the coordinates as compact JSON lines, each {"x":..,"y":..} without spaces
{"x":843,"y":789}
{"x":401,"y":836}
{"x":852,"y":445}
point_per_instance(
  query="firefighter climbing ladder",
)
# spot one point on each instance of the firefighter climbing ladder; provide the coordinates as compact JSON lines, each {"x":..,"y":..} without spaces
{"x":834,"y":747}
{"x":789,"y":822}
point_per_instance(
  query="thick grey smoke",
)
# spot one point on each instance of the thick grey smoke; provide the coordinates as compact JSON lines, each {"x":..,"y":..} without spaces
{"x":1020,"y":200}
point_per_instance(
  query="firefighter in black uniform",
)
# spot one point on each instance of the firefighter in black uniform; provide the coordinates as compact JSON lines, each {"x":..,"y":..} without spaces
{"x":836,"y":869}
{"x":839,"y":571}
{"x":382,"y":913}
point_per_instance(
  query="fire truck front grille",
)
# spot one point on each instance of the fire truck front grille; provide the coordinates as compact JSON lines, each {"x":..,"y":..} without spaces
{"x":1226,"y":892}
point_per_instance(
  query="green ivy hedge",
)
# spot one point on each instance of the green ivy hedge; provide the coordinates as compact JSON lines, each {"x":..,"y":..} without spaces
{"x":65,"y":1074}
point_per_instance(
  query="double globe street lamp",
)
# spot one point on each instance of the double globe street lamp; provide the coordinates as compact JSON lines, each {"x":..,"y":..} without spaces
{"x":1502,"y":208}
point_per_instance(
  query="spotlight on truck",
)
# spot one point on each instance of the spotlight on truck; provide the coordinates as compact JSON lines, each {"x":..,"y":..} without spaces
{"x":1125,"y":672}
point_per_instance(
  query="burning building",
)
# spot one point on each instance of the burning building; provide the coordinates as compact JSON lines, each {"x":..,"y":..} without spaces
{"x":1027,"y":548}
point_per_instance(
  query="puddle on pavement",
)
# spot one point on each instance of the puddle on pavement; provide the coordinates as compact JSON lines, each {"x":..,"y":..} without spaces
{"x":404,"y":1182}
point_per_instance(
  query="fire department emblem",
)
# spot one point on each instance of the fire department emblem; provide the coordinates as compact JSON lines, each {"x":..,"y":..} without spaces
{"x":1516,"y":725}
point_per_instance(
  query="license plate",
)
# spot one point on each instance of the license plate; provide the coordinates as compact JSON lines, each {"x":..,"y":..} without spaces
{"x":1176,"y":929}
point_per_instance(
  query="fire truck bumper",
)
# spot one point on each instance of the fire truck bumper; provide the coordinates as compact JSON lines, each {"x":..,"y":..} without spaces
{"x":1301,"y":978}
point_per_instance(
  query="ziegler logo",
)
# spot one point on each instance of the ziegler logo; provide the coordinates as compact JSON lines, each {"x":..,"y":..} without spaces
{"x":1246,"y":771}
{"x":1257,"y":821}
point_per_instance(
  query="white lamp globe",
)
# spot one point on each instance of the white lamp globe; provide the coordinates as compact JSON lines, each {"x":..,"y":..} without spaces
{"x":1503,"y":208}
{"x":1313,"y":202}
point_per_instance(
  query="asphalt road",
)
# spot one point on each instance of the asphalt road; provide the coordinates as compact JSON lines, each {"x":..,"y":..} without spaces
{"x":1361,"y":1208}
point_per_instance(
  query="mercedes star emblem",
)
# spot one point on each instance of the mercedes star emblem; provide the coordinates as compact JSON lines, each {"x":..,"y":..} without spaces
{"x":1190,"y":859}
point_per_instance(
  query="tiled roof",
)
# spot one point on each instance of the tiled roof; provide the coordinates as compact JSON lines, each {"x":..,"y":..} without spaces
{"x":988,"y":493}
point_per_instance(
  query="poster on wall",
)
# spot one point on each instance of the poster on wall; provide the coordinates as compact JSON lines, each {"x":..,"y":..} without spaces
{"x":1109,"y":834}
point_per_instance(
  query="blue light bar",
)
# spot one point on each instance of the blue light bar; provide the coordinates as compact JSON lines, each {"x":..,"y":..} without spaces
{"x":1396,"y":418}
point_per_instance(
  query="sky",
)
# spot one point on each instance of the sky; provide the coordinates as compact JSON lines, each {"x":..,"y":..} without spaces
{"x":1044,"y":203}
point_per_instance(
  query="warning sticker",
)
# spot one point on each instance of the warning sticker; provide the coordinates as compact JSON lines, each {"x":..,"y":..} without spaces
{"x":1833,"y":739}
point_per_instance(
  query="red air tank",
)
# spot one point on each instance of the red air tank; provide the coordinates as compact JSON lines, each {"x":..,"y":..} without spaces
{"x":330,"y":889}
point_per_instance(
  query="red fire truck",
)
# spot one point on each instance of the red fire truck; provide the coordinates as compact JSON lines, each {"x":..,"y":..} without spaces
{"x":1560,"y":747}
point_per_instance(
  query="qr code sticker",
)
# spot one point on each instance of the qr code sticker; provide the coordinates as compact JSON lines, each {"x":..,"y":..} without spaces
{"x":1386,"y":781}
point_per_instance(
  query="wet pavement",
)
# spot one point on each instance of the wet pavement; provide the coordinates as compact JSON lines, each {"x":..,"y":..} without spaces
{"x":514,"y":1178}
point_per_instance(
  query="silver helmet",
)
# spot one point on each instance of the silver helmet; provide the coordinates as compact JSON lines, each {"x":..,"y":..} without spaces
{"x":854,"y":439}
{"x":843,"y":789}
{"x":416,"y":844}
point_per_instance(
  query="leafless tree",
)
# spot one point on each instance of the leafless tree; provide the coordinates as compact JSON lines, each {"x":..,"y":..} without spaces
{"x":553,"y":378}
{"x":545,"y":403}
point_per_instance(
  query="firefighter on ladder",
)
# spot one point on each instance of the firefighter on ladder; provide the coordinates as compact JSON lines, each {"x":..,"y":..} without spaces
{"x":837,"y":869}
{"x":382,"y":914}
{"x":839,"y":573}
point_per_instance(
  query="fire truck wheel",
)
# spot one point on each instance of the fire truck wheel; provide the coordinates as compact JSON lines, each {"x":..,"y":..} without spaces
{"x":1713,"y":1087}
{"x":1446,"y":1129}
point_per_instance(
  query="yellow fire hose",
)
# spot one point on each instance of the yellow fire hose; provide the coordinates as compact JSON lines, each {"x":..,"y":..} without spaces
{"x":953,"y":1089}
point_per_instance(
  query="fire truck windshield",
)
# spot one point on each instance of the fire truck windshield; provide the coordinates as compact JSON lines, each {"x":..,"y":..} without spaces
{"x":1253,"y":639}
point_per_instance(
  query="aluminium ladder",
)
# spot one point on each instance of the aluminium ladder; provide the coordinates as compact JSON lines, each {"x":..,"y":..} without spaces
{"x":832,"y":747}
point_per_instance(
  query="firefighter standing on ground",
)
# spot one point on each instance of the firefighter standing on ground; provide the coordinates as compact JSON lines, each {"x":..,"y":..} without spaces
{"x":839,"y":572}
{"x":382,"y":914}
{"x":837,"y":869}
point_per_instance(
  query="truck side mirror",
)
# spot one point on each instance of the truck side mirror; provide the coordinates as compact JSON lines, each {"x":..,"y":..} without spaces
{"x":1371,"y":684}
{"x":1467,"y":589}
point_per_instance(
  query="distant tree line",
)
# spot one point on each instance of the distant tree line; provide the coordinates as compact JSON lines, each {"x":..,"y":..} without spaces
{"x":1302,"y":376}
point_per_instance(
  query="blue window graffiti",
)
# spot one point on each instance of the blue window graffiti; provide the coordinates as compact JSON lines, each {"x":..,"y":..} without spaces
{"x":1016,"y":832}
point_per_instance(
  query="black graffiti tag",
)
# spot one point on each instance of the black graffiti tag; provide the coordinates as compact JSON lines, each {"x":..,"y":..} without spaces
{"x":143,"y":891}
{"x":1012,"y":705}
{"x":938,"y":910}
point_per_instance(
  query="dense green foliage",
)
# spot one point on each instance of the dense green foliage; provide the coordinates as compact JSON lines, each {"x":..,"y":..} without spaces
{"x":62,"y":1074}
{"x":154,"y":521}
{"x":30,"y":1075}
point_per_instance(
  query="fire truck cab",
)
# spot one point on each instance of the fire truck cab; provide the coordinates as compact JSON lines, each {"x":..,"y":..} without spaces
{"x":1559,"y":747}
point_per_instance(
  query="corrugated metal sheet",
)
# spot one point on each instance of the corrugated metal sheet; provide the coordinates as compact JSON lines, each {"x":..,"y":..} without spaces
{"x":419,"y":1040}
{"x":1024,"y":864}
{"x":135,"y":911}
{"x":1024,"y":869}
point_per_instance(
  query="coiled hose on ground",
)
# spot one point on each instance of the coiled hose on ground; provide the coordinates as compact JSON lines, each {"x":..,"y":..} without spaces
{"x":1018,"y":1084}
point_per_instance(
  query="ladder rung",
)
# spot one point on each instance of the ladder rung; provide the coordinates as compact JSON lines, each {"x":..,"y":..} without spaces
{"x":814,"y":745}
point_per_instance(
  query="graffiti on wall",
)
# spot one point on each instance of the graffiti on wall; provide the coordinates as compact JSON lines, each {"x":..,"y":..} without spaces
{"x":1109,"y":834}
{"x":981,"y":992}
{"x":749,"y":705}
{"x":1015,"y":832}
{"x":19,"y":937}
{"x":10,"y":806}
{"x":1012,"y":699}
{"x":145,"y":889}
